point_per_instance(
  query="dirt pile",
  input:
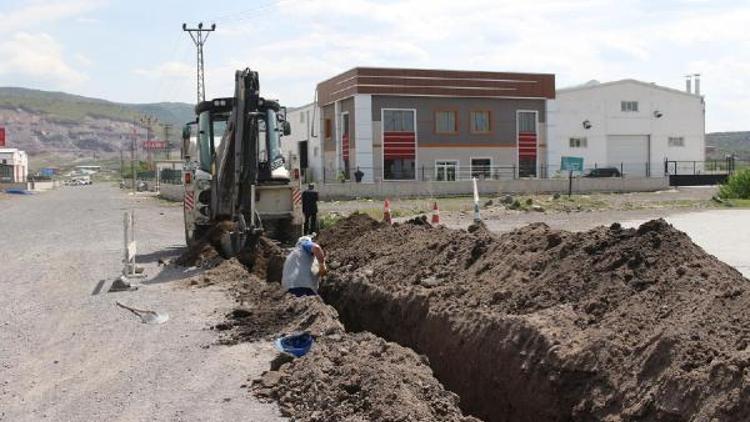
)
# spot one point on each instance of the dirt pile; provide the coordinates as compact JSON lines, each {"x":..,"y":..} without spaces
{"x":541,"y":324}
{"x":359,"y":377}
{"x":204,"y":252}
{"x":345,"y":376}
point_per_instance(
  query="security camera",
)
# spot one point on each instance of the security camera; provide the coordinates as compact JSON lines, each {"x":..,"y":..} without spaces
{"x":658,"y":114}
{"x":586,"y":124}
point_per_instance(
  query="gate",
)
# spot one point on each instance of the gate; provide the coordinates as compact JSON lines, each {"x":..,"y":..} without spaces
{"x":699,"y":173}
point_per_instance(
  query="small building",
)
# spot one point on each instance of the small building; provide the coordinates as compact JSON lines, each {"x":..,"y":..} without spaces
{"x":303,"y":144}
{"x":15,"y":165}
{"x":628,"y":124}
{"x":442,"y":125}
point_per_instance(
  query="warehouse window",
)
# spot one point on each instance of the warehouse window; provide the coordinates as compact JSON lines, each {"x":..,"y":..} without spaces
{"x":578,"y":142}
{"x":629,"y":106}
{"x":480,"y":121}
{"x":676,"y":141}
{"x":445,"y":122}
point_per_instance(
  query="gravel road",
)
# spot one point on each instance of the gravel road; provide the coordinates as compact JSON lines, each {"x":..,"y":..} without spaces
{"x":69,"y":354}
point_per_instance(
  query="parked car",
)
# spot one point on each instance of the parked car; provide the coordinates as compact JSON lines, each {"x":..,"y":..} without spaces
{"x":602,"y":172}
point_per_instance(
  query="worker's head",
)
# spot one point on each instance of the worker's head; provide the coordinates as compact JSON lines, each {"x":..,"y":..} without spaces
{"x":311,"y":186}
{"x":304,"y":239}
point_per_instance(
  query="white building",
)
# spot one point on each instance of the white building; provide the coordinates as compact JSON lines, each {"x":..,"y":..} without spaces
{"x":304,"y":144}
{"x":632,"y":125}
{"x":18,"y":162}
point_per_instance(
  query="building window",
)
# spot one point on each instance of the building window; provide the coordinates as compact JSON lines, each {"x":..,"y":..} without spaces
{"x":327,"y":128}
{"x":527,"y":143}
{"x":445,"y":171}
{"x":481,"y":168}
{"x":399,"y":144}
{"x":445,"y":122}
{"x":676,"y":141}
{"x":629,"y":106}
{"x":578,"y":143}
{"x":480,"y":122}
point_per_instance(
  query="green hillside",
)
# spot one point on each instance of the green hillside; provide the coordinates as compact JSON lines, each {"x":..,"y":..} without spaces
{"x":68,"y":108}
{"x":737,"y":143}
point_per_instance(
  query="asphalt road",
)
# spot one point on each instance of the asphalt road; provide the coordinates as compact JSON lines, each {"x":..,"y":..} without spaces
{"x":67,"y":354}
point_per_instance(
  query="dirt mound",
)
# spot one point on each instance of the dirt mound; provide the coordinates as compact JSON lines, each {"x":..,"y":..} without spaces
{"x":359,"y":377}
{"x":345,"y":376}
{"x":347,"y":229}
{"x":541,"y":324}
{"x":204,"y":252}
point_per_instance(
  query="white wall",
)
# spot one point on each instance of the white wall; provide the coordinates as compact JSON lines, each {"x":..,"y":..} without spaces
{"x":333,"y":191}
{"x":682,"y":116}
{"x":305,"y":122}
{"x":19,"y":160}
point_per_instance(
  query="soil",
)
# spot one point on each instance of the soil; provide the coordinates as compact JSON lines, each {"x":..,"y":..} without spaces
{"x":204,"y":252}
{"x":542,"y":324}
{"x":353,"y":377}
{"x":359,"y":377}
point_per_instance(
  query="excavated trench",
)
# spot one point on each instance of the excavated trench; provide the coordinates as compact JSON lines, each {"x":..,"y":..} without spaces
{"x":497,"y":366}
{"x":545,"y":325}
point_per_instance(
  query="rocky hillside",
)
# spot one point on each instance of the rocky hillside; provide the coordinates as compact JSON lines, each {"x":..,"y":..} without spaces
{"x":42,"y":122}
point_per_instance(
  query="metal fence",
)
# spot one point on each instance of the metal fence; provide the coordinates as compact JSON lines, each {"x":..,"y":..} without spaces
{"x":726,"y":166}
{"x":170,"y":176}
{"x":450,"y":173}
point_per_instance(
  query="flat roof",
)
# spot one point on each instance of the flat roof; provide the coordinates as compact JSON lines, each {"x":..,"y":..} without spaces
{"x":435,"y":83}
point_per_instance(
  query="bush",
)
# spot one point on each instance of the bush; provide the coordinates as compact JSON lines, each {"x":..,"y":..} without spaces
{"x":737,"y":186}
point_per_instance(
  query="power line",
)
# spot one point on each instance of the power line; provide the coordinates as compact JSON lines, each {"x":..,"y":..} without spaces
{"x":199,"y":36}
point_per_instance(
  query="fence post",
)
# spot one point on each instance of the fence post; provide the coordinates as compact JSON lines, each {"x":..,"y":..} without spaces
{"x":622,"y":170}
{"x":423,"y":172}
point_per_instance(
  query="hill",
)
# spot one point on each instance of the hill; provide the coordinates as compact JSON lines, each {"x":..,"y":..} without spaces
{"x":719,"y":144}
{"x":62,"y":127}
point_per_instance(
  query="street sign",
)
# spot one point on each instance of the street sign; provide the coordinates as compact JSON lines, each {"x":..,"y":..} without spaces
{"x":571,"y":163}
{"x":153,"y":145}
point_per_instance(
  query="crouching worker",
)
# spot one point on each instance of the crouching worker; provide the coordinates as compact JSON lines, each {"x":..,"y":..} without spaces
{"x":298,"y":277}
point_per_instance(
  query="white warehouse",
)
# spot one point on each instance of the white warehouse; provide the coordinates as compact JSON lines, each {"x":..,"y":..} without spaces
{"x":303,"y":144}
{"x":631,"y":125}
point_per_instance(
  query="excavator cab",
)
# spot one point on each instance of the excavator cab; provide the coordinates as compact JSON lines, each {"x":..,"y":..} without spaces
{"x":237,"y":169}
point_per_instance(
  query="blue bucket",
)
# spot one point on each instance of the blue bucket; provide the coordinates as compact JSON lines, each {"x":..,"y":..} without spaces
{"x":295,"y":344}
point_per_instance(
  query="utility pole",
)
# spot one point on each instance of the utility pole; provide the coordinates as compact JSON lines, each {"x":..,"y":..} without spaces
{"x":148,"y":121}
{"x":199,"y":36}
{"x":167,"y":130}
{"x":132,"y":157}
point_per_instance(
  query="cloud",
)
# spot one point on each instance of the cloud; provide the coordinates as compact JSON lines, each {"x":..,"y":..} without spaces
{"x":172,"y":69}
{"x":39,"y":58}
{"x":38,"y":13}
{"x":578,"y":40}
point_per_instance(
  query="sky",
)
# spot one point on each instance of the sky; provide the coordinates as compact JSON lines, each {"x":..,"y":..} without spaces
{"x":135,"y":50}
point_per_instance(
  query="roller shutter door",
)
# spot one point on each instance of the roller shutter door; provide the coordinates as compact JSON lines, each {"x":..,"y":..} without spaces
{"x":630,"y":151}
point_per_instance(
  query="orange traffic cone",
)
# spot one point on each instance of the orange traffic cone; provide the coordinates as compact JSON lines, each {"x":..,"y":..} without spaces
{"x":435,"y":213}
{"x":387,"y":211}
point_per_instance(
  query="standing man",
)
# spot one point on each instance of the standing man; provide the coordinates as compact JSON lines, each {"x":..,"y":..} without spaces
{"x":310,"y":209}
{"x":358,"y":175}
{"x":298,"y":277}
